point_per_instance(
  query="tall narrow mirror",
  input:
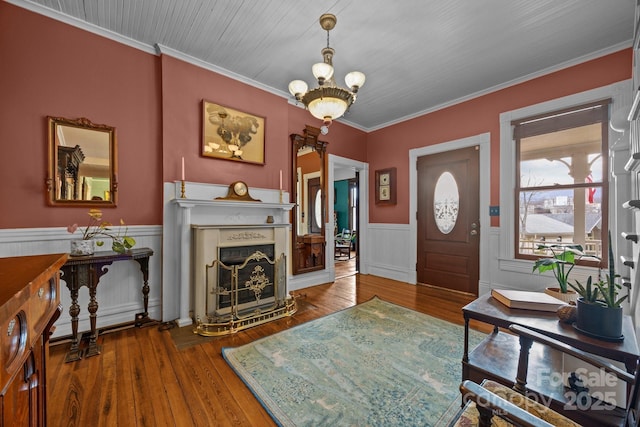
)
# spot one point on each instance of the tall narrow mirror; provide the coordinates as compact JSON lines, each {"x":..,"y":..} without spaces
{"x":308,"y":193}
{"x":82,"y":163}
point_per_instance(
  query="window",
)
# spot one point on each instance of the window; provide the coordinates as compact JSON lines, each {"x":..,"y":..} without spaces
{"x":561,"y":190}
{"x":353,"y":205}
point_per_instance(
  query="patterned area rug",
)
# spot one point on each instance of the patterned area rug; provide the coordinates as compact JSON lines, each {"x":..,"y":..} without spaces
{"x":375,"y":364}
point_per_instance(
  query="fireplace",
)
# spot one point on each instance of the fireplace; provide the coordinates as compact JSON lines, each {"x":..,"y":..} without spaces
{"x":255,"y":281}
{"x":239,"y":275}
{"x":189,"y":204}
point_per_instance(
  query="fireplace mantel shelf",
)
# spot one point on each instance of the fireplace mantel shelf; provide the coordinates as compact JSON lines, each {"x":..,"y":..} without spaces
{"x":189,"y":203}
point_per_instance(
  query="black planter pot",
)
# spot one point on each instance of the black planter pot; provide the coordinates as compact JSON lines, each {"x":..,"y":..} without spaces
{"x":599,"y":321}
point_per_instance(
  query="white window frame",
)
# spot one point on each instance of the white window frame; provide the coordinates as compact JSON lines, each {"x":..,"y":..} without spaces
{"x":506,"y":257}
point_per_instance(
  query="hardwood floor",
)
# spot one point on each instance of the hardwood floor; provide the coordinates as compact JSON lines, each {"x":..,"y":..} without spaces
{"x":142,"y":379}
{"x":346,"y":267}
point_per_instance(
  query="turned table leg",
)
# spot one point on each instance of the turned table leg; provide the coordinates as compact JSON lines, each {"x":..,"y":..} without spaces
{"x":70,"y":278}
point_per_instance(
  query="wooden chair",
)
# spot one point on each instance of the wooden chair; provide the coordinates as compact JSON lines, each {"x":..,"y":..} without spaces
{"x":493,"y":404}
{"x":342,"y":246}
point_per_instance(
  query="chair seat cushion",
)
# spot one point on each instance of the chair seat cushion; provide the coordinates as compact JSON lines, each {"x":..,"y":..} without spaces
{"x":470,"y":416}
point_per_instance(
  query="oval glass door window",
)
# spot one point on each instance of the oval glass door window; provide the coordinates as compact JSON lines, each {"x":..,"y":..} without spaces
{"x":318,"y":209}
{"x":446,"y":202}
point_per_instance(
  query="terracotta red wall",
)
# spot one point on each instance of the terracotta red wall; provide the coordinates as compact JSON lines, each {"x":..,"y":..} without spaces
{"x":390,"y":146}
{"x":155,"y":103}
{"x":49,"y":68}
{"x":184,"y":86}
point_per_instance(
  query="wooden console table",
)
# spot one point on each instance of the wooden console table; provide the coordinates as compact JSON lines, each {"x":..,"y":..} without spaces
{"x":496,"y":357}
{"x":86,"y":271}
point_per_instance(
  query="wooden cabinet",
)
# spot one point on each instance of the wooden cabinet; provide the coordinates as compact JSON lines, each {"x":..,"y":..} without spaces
{"x":29,"y":304}
{"x":311,"y":252}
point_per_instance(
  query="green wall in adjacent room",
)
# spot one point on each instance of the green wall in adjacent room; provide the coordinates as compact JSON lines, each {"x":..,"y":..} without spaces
{"x":341,"y":205}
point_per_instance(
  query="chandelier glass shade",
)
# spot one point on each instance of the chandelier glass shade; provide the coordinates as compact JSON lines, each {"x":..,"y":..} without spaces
{"x":328,"y":101}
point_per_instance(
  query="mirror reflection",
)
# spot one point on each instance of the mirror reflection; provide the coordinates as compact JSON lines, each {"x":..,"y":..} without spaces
{"x":308,"y":192}
{"x":82,"y":167}
{"x":308,"y":154}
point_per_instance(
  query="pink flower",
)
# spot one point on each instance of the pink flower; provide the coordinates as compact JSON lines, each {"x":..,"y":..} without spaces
{"x":72,"y":228}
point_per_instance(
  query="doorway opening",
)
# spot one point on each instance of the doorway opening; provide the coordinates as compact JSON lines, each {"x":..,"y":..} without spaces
{"x":345,"y":217}
{"x":348,"y":220}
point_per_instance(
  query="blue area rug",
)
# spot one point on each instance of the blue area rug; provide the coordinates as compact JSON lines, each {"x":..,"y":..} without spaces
{"x":375,"y":364}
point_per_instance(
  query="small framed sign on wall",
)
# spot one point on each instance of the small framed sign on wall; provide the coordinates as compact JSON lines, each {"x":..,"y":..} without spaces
{"x":386,"y":186}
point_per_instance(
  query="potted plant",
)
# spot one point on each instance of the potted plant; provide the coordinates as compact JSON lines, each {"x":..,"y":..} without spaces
{"x":96,"y":229}
{"x":560,"y":263}
{"x":599,"y":307}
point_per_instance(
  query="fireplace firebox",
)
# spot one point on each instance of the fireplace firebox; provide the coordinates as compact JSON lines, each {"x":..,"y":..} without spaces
{"x":255,"y":281}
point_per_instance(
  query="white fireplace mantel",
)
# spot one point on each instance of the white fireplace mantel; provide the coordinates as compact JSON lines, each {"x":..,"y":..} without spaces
{"x":200,"y":207}
{"x":224,"y":212}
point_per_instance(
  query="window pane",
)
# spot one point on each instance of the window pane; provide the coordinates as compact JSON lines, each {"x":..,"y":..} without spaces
{"x":446,"y":202}
{"x":562,"y":158}
{"x":551,"y":216}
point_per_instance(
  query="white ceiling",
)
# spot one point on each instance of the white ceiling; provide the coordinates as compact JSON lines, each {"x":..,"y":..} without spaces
{"x":418,"y":55}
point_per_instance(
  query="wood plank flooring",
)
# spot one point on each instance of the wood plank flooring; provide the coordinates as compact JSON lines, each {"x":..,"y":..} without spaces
{"x":142,"y":379}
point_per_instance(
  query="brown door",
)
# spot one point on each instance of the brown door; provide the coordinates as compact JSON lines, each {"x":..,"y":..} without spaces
{"x":448,"y":220}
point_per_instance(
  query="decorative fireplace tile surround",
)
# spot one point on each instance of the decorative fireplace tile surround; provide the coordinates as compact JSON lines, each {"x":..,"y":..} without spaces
{"x":199,"y":208}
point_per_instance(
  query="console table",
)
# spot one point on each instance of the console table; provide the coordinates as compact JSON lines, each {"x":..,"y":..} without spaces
{"x":86,"y":271}
{"x":496,"y":357}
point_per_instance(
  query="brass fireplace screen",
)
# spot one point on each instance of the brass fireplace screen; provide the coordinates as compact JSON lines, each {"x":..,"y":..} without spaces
{"x":244,"y":291}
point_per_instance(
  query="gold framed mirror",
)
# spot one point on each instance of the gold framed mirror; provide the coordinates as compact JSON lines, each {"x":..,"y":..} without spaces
{"x":82,"y":163}
{"x":308,"y":193}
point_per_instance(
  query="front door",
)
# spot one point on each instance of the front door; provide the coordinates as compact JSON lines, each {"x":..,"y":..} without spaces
{"x":448,"y":220}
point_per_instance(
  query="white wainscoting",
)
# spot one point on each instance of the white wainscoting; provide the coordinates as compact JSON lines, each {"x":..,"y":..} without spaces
{"x":389,"y":251}
{"x":391,"y":246}
{"x":119,"y":292}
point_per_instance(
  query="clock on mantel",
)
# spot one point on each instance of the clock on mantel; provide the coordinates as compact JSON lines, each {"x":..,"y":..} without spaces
{"x":239,"y":191}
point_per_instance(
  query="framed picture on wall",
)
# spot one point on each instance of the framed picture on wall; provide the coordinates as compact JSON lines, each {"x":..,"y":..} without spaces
{"x":232,"y":134}
{"x":386,"y":186}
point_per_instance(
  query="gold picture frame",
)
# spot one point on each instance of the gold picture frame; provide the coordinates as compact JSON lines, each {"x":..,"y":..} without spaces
{"x":386,"y":186}
{"x":231,"y":134}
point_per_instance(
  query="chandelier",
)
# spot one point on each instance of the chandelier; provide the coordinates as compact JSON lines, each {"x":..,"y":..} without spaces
{"x":328,"y":101}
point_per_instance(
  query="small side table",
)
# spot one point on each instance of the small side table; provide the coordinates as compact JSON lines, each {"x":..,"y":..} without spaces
{"x":86,"y":271}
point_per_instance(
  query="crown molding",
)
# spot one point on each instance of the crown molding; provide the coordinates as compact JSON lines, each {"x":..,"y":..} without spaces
{"x":165,"y":50}
{"x":83,"y":25}
{"x":159,"y":49}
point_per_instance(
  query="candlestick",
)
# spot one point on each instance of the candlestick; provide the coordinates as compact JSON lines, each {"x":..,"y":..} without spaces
{"x":182,"y":196}
{"x":182,"y":169}
{"x":280,"y":181}
{"x":280,"y":196}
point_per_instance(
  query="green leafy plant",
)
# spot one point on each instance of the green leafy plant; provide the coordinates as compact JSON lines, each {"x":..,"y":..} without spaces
{"x":561,"y":262}
{"x":604,"y":291}
{"x":97,"y":228}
